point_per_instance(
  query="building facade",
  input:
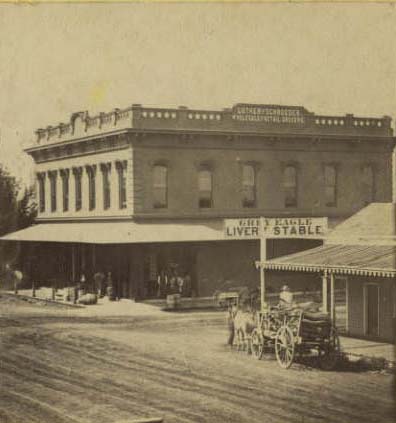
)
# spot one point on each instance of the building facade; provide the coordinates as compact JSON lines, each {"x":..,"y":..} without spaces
{"x":192,"y":169}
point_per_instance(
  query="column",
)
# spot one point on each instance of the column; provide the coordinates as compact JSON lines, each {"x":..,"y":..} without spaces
{"x":263,"y":257}
{"x":324,"y":292}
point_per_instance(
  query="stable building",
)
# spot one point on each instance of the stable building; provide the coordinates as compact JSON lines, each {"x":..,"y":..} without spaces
{"x":143,"y":189}
{"x":359,"y":255}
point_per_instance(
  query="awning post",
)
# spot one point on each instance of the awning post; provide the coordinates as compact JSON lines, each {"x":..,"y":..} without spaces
{"x":332,"y":298}
{"x":263,"y":257}
{"x":324,"y":292}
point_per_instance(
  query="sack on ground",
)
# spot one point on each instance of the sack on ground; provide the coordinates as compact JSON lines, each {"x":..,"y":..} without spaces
{"x":88,"y":299}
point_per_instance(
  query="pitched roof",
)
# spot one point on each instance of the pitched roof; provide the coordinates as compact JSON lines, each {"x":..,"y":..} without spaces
{"x":373,"y":225}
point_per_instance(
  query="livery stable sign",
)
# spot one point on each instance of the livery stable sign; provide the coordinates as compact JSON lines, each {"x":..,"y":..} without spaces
{"x":276,"y":227}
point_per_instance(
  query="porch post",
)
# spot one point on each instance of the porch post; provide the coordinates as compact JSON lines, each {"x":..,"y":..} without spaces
{"x":332,"y":298}
{"x":263,"y":257}
{"x":324,"y":292}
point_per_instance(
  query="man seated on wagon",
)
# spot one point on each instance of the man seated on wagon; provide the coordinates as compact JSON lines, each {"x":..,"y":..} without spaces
{"x":286,"y":298}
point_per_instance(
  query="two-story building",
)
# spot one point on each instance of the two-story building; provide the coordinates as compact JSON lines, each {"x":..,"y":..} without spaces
{"x":141,"y":190}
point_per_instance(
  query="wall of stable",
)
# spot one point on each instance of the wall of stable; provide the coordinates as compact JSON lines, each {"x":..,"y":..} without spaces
{"x":356,"y":306}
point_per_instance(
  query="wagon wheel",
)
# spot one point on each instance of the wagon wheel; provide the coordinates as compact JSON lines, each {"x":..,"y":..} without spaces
{"x":330,"y":352}
{"x":257,"y":344}
{"x":284,"y":347}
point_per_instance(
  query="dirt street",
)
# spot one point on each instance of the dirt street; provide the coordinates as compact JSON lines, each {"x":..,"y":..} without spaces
{"x":58,"y":365}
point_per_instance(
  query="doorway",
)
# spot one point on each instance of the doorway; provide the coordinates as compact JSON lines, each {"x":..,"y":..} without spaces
{"x":371,"y":294}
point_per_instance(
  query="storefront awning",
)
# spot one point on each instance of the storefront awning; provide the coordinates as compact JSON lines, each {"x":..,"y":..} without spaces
{"x":120,"y":232}
{"x":366,"y":260}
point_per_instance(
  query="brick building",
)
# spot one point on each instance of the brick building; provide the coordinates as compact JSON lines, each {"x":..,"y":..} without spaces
{"x":143,"y":189}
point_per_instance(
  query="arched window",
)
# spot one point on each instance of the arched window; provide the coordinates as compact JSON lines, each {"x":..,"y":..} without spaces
{"x":106,"y":169}
{"x":77,"y":172}
{"x":330,"y":177}
{"x":248,"y":186}
{"x":160,"y":186}
{"x":52,"y":174}
{"x":122,"y":182}
{"x":290,"y":185}
{"x":205,"y":188}
{"x":65,"y":188}
{"x":91,"y":172}
{"x":368,"y":184}
{"x":41,"y":182}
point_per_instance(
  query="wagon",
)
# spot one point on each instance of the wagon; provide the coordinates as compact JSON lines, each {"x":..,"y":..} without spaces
{"x":296,"y":332}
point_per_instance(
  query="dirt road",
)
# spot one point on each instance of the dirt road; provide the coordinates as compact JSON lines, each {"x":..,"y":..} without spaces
{"x":64,"y":367}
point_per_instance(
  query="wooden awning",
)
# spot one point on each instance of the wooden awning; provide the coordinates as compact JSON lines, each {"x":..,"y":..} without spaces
{"x":364,"y":260}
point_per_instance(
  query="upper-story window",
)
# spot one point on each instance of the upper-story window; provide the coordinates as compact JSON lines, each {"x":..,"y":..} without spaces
{"x":248,"y":186}
{"x":41,"y":185}
{"x":160,"y":186}
{"x":106,"y":169}
{"x":91,"y":172}
{"x":368,"y":184}
{"x":77,"y":172}
{"x":330,"y":189}
{"x":290,"y":185}
{"x":205,"y":188}
{"x":65,"y":188}
{"x":121,"y":170}
{"x":52,"y":174}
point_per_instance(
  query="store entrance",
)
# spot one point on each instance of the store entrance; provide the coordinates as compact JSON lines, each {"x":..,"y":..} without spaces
{"x":170,"y":269}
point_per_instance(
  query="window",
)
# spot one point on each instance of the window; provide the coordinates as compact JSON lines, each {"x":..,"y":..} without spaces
{"x":91,"y":172}
{"x":248,"y":186}
{"x":290,"y":186}
{"x":160,"y":186}
{"x":106,"y":168}
{"x":52,"y":177}
{"x":330,"y":176}
{"x":65,"y":188}
{"x":121,"y":169}
{"x":41,"y":183}
{"x":77,"y":171}
{"x":368,"y":184}
{"x":205,"y":188}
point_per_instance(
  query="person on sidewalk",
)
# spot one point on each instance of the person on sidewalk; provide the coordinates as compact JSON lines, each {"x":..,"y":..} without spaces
{"x":99,"y":278}
{"x":110,"y":287}
{"x":15,"y":277}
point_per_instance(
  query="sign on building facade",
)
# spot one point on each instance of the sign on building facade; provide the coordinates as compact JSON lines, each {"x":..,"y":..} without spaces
{"x":269,"y":114}
{"x":276,"y":227}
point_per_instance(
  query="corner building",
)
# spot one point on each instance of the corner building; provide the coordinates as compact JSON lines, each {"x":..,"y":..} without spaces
{"x":139,"y":190}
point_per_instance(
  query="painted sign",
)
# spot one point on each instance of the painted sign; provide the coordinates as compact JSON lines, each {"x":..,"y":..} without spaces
{"x":244,"y":228}
{"x":269,"y":114}
{"x":301,"y":227}
{"x":276,"y":227}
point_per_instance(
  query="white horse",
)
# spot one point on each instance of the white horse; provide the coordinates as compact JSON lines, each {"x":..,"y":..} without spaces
{"x":244,"y":323}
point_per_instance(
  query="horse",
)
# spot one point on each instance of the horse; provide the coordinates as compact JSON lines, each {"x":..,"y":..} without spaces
{"x":244,"y":323}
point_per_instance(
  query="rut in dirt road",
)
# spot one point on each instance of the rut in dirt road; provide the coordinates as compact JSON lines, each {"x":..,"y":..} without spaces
{"x":67,"y":375}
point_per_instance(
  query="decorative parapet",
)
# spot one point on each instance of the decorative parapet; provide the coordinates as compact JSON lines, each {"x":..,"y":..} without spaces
{"x":242,"y":118}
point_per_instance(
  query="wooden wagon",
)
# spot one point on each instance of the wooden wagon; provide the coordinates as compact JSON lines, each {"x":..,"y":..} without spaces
{"x":296,"y":332}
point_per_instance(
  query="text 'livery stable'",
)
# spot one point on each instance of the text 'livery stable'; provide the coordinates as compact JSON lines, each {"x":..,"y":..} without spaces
{"x":276,"y":227}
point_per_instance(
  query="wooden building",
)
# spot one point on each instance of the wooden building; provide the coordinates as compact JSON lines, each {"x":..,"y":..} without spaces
{"x":359,"y":254}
